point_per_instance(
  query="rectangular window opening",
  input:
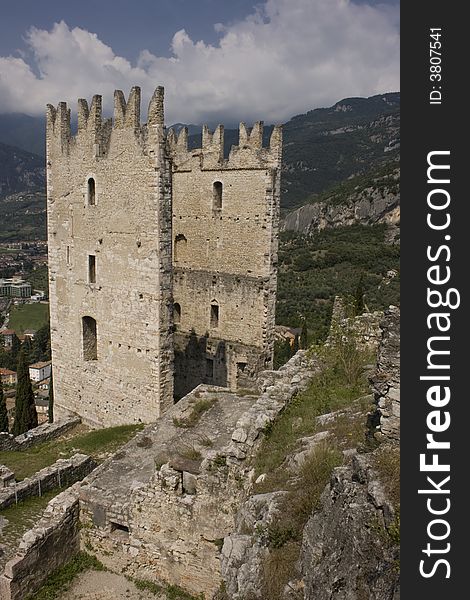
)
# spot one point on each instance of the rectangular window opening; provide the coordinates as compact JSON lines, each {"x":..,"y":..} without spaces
{"x":119,"y":527}
{"x":214,"y":315}
{"x":209,"y":368}
{"x":91,"y":268}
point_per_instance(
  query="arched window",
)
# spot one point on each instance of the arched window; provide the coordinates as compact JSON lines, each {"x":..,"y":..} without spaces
{"x":176,"y":313}
{"x":89,"y":341}
{"x":180,"y":246}
{"x":217,"y":196}
{"x":91,"y":190}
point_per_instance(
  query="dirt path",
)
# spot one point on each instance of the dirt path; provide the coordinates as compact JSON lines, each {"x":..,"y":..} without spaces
{"x":101,"y":585}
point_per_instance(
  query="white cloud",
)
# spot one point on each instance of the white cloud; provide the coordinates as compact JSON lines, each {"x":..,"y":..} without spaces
{"x":287,"y":57}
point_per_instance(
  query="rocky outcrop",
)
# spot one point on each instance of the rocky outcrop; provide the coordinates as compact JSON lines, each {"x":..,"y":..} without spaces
{"x":368,"y":205}
{"x":348,"y":549}
{"x":243,"y":554}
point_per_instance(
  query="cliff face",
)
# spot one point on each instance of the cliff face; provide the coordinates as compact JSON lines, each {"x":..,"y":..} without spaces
{"x":365,"y":202}
{"x":20,"y":171}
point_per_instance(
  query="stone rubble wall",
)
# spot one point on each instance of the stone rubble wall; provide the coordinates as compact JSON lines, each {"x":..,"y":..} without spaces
{"x":42,"y":433}
{"x":277,"y":390}
{"x":386,"y":380}
{"x":365,"y":328}
{"x":170,"y":526}
{"x":43,"y":549}
{"x":62,"y":473}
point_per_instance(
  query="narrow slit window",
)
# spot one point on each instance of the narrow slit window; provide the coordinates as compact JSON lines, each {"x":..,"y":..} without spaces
{"x":217,"y":196}
{"x":68,"y":255}
{"x":209,"y":368}
{"x":89,"y":338}
{"x":91,"y":192}
{"x":91,"y":268}
{"x":214,"y":315}
{"x":176,"y":313}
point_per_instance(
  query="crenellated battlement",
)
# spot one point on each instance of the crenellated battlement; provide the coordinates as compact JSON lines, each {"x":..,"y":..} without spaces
{"x":95,"y":132}
{"x":249,"y":153}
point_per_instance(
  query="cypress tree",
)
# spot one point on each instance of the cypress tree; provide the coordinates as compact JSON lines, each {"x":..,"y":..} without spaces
{"x":304,"y":335}
{"x":25,"y":409}
{"x":50,"y":410}
{"x":15,"y":347}
{"x":295,"y":347}
{"x":3,"y":411}
{"x":28,"y":350}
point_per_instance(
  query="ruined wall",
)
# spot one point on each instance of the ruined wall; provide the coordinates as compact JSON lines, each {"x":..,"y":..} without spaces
{"x":386,"y":380}
{"x":159,"y":509}
{"x":63,"y":473}
{"x":225,"y":235}
{"x":109,"y":235}
{"x":46,"y":547}
{"x":41,"y":433}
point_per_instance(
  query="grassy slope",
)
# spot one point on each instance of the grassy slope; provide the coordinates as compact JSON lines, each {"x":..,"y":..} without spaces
{"x":94,"y":443}
{"x":28,"y":316}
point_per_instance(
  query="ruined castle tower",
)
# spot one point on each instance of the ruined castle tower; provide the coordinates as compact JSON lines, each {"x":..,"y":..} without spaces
{"x":109,"y":232}
{"x":162,"y":260}
{"x":225,"y":233}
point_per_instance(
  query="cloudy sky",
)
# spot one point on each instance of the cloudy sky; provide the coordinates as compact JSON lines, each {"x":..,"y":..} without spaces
{"x":218,"y":59}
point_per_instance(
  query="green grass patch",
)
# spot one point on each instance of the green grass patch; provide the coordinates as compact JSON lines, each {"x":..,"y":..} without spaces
{"x":95,"y":443}
{"x":28,"y":316}
{"x":149,"y":586}
{"x":23,"y":516}
{"x":172,"y":592}
{"x":61,"y":579}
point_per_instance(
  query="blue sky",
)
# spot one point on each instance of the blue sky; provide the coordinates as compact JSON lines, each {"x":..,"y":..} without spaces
{"x":217,"y":59}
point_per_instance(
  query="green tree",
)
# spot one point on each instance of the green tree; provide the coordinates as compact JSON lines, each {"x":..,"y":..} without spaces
{"x":3,"y":411}
{"x":359,"y":297}
{"x":15,"y":347}
{"x":295,"y":346}
{"x":304,"y":335}
{"x":50,"y":410}
{"x":42,"y":344}
{"x":27,"y":348}
{"x":25,"y":409}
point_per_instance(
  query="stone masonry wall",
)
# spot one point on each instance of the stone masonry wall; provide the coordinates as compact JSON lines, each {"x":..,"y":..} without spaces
{"x":386,"y":380}
{"x":42,"y":433}
{"x":159,"y":509}
{"x":62,"y":473}
{"x":122,"y":228}
{"x":225,"y":256}
{"x":51,"y":544}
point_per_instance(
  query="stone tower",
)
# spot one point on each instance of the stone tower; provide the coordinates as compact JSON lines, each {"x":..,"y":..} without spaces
{"x":162,"y":260}
{"x":109,"y":235}
{"x":225,"y":235}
